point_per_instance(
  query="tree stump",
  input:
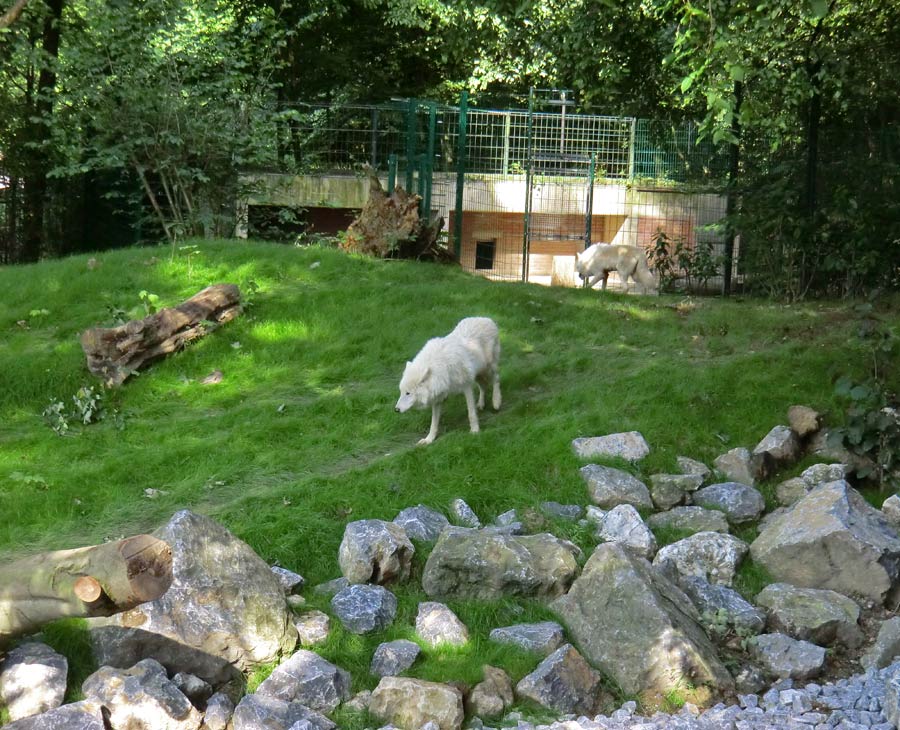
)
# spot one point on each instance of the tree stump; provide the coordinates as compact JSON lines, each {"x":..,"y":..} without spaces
{"x":115,"y":353}
{"x":389,"y":226}
{"x":99,"y":580}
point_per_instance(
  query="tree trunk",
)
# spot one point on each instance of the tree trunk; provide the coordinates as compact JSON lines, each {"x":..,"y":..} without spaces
{"x":734,"y":166}
{"x":91,"y":581}
{"x":12,"y":15}
{"x":115,"y":353}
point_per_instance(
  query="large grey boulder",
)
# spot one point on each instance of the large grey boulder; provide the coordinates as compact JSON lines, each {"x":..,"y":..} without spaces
{"x":689,"y":519}
{"x":437,"y":624}
{"x":638,"y":627}
{"x":489,"y":565}
{"x":363,"y":609}
{"x":739,"y":465}
{"x":260,"y":712}
{"x":609,"y":487}
{"x":669,"y":490}
{"x":629,"y":445}
{"x":393,"y":657}
{"x":544,"y":637}
{"x":624,"y":525}
{"x":32,"y":680}
{"x":739,"y":502}
{"x":812,"y":614}
{"x":723,"y":609}
{"x":713,"y":556}
{"x":141,"y":698}
{"x":782,"y":657}
{"x":225,"y":611}
{"x":375,"y":551}
{"x":834,"y":539}
{"x":422,"y":523}
{"x":411,"y":703}
{"x":84,"y":715}
{"x":563,"y":682}
{"x":309,"y":679}
{"x":885,"y":647}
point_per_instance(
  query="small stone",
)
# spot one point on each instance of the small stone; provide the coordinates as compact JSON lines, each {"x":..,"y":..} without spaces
{"x":693,"y":467}
{"x":291,"y":582}
{"x":464,"y":514}
{"x":307,"y":678}
{"x":739,"y":502}
{"x":32,"y":679}
{"x":312,"y":627}
{"x":544,"y":637}
{"x":781,"y":656}
{"x":571,"y":512}
{"x":630,"y":446}
{"x":437,"y":624}
{"x":195,"y":689}
{"x":507,"y":518}
{"x":331,"y":587}
{"x":803,"y":420}
{"x":741,"y":466}
{"x":690,"y":519}
{"x":493,"y":695}
{"x":218,"y":713}
{"x":891,"y":509}
{"x":609,"y":487}
{"x":563,"y":682}
{"x":394,"y":657}
{"x":363,"y":609}
{"x":422,"y":523}
{"x":668,"y":490}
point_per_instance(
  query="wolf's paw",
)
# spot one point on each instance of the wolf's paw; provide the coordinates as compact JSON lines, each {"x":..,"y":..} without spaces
{"x":497,"y":402}
{"x":424,"y":442}
{"x":474,"y":429}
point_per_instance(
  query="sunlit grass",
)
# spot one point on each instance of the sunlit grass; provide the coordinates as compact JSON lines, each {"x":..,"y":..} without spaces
{"x":300,"y":436}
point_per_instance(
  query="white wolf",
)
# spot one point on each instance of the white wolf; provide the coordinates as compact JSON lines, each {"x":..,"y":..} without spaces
{"x":599,"y":259}
{"x":469,"y":356}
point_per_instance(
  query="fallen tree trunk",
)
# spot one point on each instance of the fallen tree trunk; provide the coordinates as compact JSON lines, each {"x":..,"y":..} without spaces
{"x":389,"y":226}
{"x":91,"y":581}
{"x":115,"y":353}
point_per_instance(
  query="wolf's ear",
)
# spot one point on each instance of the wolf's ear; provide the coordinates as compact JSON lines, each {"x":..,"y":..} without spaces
{"x":577,"y":256}
{"x":426,"y":371}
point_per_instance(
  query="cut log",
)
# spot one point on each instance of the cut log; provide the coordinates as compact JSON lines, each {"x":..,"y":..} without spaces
{"x":389,"y":226}
{"x":91,"y":581}
{"x":115,"y":353}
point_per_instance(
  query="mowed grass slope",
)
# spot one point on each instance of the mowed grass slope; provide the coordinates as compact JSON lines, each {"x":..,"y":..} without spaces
{"x":301,"y":436}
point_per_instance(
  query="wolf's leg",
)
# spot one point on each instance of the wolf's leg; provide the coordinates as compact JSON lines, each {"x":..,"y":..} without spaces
{"x":624,"y":273}
{"x":496,"y":397}
{"x":480,"y":391}
{"x":473,"y":414}
{"x":435,"y":420}
{"x":605,"y":277}
{"x":593,"y":280}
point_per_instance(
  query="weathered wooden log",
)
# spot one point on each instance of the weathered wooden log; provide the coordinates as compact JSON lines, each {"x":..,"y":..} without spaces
{"x":389,"y":226}
{"x":99,"y":580}
{"x":115,"y":353}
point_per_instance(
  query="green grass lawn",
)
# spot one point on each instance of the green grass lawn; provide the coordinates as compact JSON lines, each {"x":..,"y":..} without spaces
{"x":301,"y":435}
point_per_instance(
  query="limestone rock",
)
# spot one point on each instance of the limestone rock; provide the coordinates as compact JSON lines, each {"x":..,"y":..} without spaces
{"x":712,"y":556}
{"x":492,"y":695}
{"x":739,"y":465}
{"x":488,"y":565}
{"x":570,"y":512}
{"x":364,"y":608}
{"x":331,"y":587}
{"x":411,"y":703}
{"x":821,"y":473}
{"x":609,"y":487}
{"x":668,"y":490}
{"x":32,"y":680}
{"x":421,"y":523}
{"x":312,"y":627}
{"x":891,"y":509}
{"x":394,"y":657}
{"x":723,"y":607}
{"x":804,"y":421}
{"x":636,"y":626}
{"x":291,"y":582}
{"x":739,"y":502}
{"x":260,"y":712}
{"x":693,"y":467}
{"x":819,"y":616}
{"x":544,"y":637}
{"x":141,"y":698}
{"x":375,"y":551}
{"x":629,"y":445}
{"x":892,"y":699}
{"x":197,"y":690}
{"x":779,"y":448}
{"x":691,"y":519}
{"x":84,"y":715}
{"x":218,"y":713}
{"x":624,"y":525}
{"x":563,"y":682}
{"x":308,"y":679}
{"x":783,"y":657}
{"x":437,"y":624}
{"x":886,"y":646}
{"x":464,"y":514}
{"x":225,"y":610}
{"x":834,"y":539}
{"x":792,"y":490}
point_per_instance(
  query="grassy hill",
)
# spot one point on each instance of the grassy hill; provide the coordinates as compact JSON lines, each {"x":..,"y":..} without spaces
{"x":300,"y":436}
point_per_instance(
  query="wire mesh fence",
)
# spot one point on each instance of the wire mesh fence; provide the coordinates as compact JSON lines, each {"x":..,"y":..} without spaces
{"x":522,"y":191}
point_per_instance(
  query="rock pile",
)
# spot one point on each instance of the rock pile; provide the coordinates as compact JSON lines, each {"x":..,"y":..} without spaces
{"x":652,"y":619}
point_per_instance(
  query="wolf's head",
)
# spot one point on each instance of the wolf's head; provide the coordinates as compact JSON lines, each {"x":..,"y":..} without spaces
{"x":580,"y":265}
{"x":412,"y":394}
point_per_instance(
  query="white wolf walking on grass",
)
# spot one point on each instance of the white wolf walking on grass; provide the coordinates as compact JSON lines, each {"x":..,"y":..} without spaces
{"x":596,"y":261}
{"x":469,"y":356}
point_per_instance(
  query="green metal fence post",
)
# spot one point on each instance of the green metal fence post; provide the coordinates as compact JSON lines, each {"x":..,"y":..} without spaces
{"x":411,"y":132}
{"x":392,"y":173}
{"x":589,"y":213}
{"x":529,"y":174}
{"x":429,"y":159}
{"x":460,"y":172}
{"x":422,"y":183}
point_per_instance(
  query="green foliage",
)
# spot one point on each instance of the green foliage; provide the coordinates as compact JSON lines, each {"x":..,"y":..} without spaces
{"x":87,"y":408}
{"x":676,"y":260}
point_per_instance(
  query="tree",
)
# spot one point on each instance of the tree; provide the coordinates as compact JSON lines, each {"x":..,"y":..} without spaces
{"x":12,"y":15}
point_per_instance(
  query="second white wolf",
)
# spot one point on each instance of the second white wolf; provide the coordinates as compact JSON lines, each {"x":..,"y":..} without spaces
{"x":596,"y":261}
{"x":468,"y":357}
